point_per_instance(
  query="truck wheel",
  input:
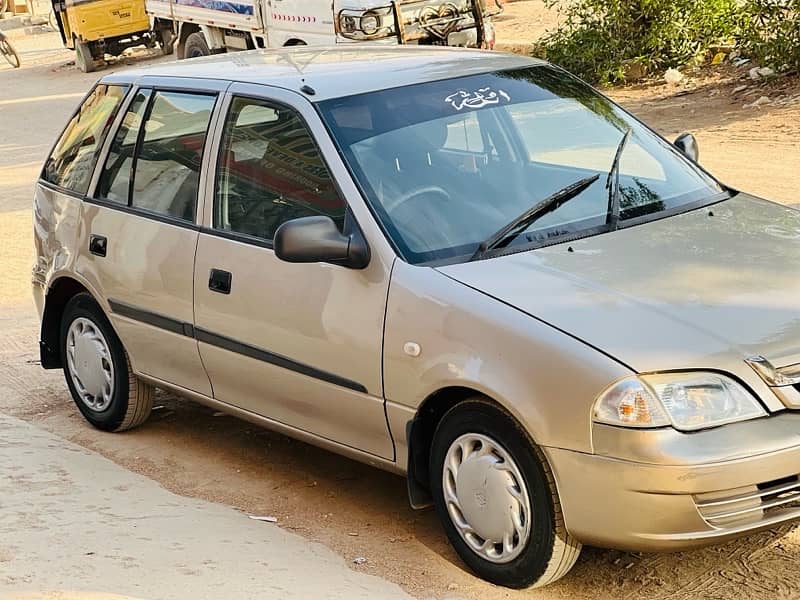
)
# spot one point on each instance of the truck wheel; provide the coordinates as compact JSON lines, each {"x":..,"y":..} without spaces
{"x":97,"y":369}
{"x":83,"y":57}
{"x":166,"y":39}
{"x":495,"y":495}
{"x":196,"y":46}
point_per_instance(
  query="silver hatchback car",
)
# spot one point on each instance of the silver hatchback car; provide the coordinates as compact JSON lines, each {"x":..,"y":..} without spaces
{"x":469,"y":268}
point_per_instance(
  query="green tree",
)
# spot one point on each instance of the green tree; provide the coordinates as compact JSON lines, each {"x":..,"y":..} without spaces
{"x":605,"y":40}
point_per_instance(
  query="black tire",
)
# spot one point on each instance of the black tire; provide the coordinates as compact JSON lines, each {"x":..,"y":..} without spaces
{"x":83,"y":57}
{"x":166,"y":39}
{"x":550,"y":551}
{"x":132,"y":399}
{"x":196,"y":46}
{"x":9,"y":52}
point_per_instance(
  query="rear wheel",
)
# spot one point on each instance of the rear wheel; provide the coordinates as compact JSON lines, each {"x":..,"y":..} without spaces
{"x":97,"y":369}
{"x":168,"y":43}
{"x":166,"y":39}
{"x":9,"y":52}
{"x":196,"y":46}
{"x":496,"y":497}
{"x":83,"y":57}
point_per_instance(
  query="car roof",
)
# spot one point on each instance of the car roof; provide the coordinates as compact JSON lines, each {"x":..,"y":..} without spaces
{"x":334,"y":72}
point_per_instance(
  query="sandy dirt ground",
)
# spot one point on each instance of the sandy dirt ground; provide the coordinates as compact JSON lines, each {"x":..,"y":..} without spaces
{"x":353,"y":509}
{"x":522,"y":22}
{"x":73,"y":521}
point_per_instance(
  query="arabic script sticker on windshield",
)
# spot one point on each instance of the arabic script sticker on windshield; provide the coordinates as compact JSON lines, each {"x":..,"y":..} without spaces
{"x":476,"y":99}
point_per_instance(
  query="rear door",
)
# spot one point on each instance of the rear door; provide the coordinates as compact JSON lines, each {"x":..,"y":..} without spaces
{"x":297,"y":343}
{"x":142,"y":224}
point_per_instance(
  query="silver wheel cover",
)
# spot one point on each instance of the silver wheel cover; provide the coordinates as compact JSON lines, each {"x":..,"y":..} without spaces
{"x":89,"y":363}
{"x":486,"y":498}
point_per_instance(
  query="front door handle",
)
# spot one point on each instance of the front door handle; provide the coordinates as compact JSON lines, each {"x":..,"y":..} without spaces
{"x":220,"y":281}
{"x":98,"y":245}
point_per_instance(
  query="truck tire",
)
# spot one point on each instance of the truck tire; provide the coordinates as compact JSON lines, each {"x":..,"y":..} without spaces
{"x":166,"y":39}
{"x":83,"y":57}
{"x":196,"y":46}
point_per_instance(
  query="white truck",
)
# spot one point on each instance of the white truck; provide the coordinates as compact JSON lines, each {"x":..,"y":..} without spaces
{"x":202,"y":27}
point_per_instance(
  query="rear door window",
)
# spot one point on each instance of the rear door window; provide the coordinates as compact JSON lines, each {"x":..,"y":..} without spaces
{"x":72,"y":161}
{"x":167,"y":167}
{"x":115,"y":181}
{"x":154,"y":160}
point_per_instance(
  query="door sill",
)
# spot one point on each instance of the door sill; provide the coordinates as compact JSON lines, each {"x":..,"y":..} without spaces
{"x":273,"y":425}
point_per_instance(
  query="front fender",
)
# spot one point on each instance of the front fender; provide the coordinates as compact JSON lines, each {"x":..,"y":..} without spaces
{"x":545,"y":378}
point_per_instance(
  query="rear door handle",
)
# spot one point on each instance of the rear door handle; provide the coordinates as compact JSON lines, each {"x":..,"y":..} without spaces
{"x":98,"y":245}
{"x":220,"y":281}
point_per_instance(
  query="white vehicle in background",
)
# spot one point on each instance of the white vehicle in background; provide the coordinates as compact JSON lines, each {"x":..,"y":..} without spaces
{"x":202,"y":27}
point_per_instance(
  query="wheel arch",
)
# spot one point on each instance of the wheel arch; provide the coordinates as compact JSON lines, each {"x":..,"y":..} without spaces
{"x":295,"y":42}
{"x":420,"y":431}
{"x":59,"y":293}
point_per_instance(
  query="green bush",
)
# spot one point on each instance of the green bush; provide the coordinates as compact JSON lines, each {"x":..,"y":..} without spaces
{"x":772,"y":33}
{"x":609,"y":41}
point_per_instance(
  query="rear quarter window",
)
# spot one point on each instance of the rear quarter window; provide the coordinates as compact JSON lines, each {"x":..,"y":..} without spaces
{"x":72,"y":161}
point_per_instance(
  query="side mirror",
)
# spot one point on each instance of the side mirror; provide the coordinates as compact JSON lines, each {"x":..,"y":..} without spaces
{"x":687,"y":144}
{"x":317,"y":239}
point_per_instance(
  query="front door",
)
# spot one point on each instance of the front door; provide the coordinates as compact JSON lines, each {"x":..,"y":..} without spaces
{"x":297,"y":343}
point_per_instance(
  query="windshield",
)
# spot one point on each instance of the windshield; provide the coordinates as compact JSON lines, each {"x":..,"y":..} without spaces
{"x":448,"y":163}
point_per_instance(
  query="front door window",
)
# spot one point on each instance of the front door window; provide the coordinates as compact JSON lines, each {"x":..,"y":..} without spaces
{"x":270,"y":172}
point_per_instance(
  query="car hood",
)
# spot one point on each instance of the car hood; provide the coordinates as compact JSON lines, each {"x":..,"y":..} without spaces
{"x":696,"y":290}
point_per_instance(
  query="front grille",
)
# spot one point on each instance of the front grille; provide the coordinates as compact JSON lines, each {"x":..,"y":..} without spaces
{"x":749,"y":504}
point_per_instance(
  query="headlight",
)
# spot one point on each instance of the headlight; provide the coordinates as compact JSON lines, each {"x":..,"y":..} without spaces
{"x":370,"y":23}
{"x":362,"y":25}
{"x":687,"y":401}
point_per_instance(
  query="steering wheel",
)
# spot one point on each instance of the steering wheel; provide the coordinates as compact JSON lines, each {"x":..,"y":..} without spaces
{"x":429,"y":190}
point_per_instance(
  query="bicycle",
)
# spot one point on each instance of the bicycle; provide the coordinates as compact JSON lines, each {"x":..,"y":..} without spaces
{"x":7,"y":50}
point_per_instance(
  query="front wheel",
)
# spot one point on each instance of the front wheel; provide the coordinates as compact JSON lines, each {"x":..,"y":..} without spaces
{"x":97,"y":369}
{"x":495,"y":495}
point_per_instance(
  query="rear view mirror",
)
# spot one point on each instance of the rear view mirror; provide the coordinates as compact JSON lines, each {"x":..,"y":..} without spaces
{"x":318,"y":239}
{"x":687,"y":144}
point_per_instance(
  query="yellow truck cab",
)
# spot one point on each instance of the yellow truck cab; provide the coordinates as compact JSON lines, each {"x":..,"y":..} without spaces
{"x":94,"y":28}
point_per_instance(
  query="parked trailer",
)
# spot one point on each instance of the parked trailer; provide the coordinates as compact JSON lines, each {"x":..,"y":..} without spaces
{"x":202,"y":27}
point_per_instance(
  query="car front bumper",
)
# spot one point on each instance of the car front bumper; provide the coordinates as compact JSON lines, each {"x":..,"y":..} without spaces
{"x":664,"y":490}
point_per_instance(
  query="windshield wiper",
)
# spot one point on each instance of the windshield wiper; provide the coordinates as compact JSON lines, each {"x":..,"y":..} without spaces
{"x":612,"y":185}
{"x":526,"y":219}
